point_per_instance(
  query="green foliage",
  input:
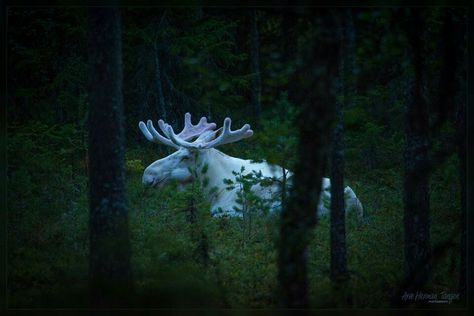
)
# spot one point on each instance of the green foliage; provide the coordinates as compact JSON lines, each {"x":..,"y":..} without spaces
{"x":134,"y":165}
{"x":42,"y":141}
{"x":204,"y":169}
{"x":47,"y":221}
{"x":355,"y":117}
{"x":278,"y":134}
{"x":251,"y":205}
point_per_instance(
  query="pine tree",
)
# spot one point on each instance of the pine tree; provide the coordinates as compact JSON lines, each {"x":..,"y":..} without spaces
{"x":417,"y":173}
{"x":338,"y":228}
{"x":110,"y":274}
{"x":317,"y":73}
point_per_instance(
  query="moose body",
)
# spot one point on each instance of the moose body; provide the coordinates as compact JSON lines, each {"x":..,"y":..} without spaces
{"x":200,"y":161}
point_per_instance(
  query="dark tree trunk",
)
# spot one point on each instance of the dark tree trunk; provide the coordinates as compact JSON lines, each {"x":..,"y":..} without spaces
{"x":463,"y":112}
{"x":338,"y":223}
{"x":201,"y":252}
{"x":162,"y":113}
{"x":290,"y":45}
{"x":59,"y":113}
{"x":447,"y":88}
{"x":446,"y":105}
{"x":255,"y":65}
{"x":339,"y":273}
{"x":451,"y":102}
{"x":141,"y":79}
{"x":159,"y":85}
{"x":109,"y":274}
{"x":316,"y":76}
{"x":349,"y":60}
{"x":199,"y":12}
{"x":417,"y":171}
{"x":463,"y":215}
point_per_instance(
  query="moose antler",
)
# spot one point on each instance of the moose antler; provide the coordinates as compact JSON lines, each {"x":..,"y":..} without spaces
{"x":153,"y":136}
{"x":204,"y":130}
{"x":189,"y":131}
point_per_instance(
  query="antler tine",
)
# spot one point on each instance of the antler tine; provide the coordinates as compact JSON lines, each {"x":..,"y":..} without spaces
{"x":189,"y":131}
{"x":178,"y":140}
{"x":227,"y":136}
{"x":152,"y":135}
{"x":187,"y":120}
{"x":145,"y":131}
{"x":155,"y":133}
{"x":164,"y":127}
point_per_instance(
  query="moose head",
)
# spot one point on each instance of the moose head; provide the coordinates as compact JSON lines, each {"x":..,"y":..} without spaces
{"x":178,"y":165}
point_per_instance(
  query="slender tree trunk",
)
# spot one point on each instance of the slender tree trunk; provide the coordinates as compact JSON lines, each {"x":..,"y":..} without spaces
{"x":463,"y":138}
{"x":339,"y":273}
{"x":255,"y":65}
{"x":463,"y":214}
{"x":159,"y":84}
{"x":299,"y":217}
{"x":444,"y":106}
{"x":162,"y":112}
{"x":59,"y":113}
{"x":199,"y":12}
{"x":349,"y":63}
{"x":143,"y":93}
{"x":110,"y":273}
{"x":283,"y":187}
{"x":417,"y":171}
{"x":338,"y":224}
{"x":450,"y":101}
{"x":290,"y":47}
{"x":201,"y":252}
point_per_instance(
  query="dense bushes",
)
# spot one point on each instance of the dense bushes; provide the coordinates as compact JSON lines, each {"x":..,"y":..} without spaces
{"x":47,"y":213}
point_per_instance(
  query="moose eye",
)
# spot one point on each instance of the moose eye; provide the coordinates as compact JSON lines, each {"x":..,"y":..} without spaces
{"x":185,"y":158}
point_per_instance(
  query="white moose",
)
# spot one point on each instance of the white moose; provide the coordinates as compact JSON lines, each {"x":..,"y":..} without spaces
{"x":197,"y":159}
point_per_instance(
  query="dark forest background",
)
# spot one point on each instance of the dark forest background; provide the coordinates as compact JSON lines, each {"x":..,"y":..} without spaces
{"x":384,"y":86}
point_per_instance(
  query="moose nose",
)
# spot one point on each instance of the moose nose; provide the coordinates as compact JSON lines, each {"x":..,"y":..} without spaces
{"x":148,"y":179}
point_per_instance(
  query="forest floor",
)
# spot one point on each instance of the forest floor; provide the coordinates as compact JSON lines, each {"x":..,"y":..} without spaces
{"x":214,"y":262}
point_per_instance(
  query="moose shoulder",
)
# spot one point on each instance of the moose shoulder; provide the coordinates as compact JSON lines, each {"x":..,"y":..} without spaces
{"x":196,"y":159}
